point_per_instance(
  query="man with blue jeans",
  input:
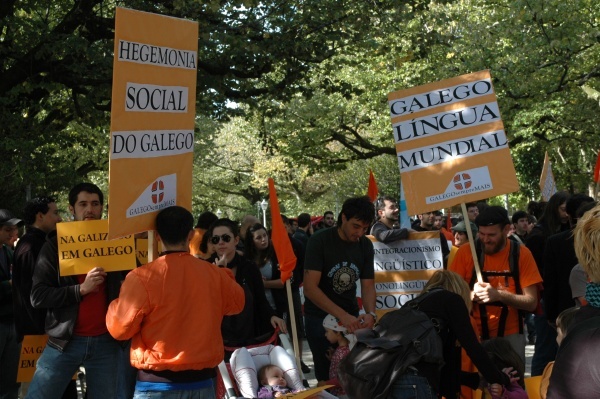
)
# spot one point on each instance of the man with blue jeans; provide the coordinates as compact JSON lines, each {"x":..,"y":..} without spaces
{"x":75,"y":320}
{"x":172,"y":310}
{"x":336,"y":258}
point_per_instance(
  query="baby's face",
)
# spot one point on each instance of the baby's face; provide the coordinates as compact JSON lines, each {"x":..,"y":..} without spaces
{"x":275,"y":377}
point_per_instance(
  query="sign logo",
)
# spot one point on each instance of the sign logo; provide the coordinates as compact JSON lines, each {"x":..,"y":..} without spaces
{"x":159,"y":194}
{"x":464,"y":182}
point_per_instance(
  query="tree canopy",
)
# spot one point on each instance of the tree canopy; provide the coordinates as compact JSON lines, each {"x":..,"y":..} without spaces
{"x":297,"y":90}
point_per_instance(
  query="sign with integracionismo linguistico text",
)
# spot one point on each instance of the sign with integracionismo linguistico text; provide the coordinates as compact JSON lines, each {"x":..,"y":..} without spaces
{"x":403,"y":267}
{"x":152,"y":122}
{"x":547,"y":183}
{"x":451,"y":143}
{"x":85,"y":245}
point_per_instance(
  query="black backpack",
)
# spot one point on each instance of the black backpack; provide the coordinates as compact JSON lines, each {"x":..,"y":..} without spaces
{"x":401,"y":339}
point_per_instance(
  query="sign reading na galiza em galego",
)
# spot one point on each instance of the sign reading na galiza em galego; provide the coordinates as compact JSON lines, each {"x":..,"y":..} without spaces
{"x":153,"y":116}
{"x":451,"y":143}
{"x":403,"y":267}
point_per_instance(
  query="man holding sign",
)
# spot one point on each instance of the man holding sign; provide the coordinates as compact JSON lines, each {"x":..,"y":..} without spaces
{"x":510,"y":279}
{"x":75,"y":320}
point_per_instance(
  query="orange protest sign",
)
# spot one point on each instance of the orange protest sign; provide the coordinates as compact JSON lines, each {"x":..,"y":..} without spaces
{"x":451,"y":143}
{"x":31,"y":350}
{"x":403,"y":267}
{"x":152,"y":121}
{"x":84,"y":245}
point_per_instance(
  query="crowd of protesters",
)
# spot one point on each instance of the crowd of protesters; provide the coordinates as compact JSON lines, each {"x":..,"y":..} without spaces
{"x":163,"y":327}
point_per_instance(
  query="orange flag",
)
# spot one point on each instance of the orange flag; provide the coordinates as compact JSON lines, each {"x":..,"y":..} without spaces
{"x":372,"y":192}
{"x":597,"y":169}
{"x":280,"y":238}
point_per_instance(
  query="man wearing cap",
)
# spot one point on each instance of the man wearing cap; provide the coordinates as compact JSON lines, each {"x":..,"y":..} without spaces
{"x":460,"y":238}
{"x":504,"y":290}
{"x":9,"y":346}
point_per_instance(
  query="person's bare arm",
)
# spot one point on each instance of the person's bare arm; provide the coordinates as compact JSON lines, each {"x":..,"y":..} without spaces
{"x":484,"y":293}
{"x":318,"y":297}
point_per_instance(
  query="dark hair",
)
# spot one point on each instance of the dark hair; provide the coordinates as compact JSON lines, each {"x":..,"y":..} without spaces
{"x":518,"y":215}
{"x":584,"y":208}
{"x":285,"y":219}
{"x":205,"y":220}
{"x":503,"y":355}
{"x":174,"y":224}
{"x":303,"y":220}
{"x":33,"y":207}
{"x":380,"y":202}
{"x":564,"y":321}
{"x":536,"y":208}
{"x":252,"y":253}
{"x":471,"y":205}
{"x":574,"y":202}
{"x":88,"y":188}
{"x":224,"y":222}
{"x":328,"y":213}
{"x":360,"y":208}
{"x":550,"y":220}
{"x":262,"y":373}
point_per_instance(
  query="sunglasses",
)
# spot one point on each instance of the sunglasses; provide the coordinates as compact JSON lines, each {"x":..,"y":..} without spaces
{"x":225,"y":237}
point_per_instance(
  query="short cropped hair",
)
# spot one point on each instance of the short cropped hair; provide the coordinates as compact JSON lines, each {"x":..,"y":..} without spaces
{"x":88,"y":188}
{"x":174,"y":224}
{"x":360,"y":208}
{"x":303,"y":220}
{"x":224,"y":222}
{"x":518,"y":215}
{"x":35,"y":206}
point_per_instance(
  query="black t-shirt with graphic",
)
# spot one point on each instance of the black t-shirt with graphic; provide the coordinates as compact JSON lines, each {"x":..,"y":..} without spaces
{"x":341,"y":264}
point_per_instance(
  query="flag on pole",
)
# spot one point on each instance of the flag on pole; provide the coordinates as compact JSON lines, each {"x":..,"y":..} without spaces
{"x":280,"y":238}
{"x":597,"y":169}
{"x":372,"y":192}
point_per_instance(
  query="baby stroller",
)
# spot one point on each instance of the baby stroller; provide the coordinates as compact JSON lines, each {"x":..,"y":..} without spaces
{"x":239,"y":377}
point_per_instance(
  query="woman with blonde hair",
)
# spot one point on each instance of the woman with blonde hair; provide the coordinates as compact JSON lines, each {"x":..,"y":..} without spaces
{"x":576,"y":369}
{"x":447,"y":301}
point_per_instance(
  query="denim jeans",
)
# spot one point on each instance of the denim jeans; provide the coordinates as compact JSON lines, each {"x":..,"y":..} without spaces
{"x":200,"y":393}
{"x":10,"y":351}
{"x":126,"y":373}
{"x":411,"y":385}
{"x":545,"y":345}
{"x":318,"y":344}
{"x":54,"y":369}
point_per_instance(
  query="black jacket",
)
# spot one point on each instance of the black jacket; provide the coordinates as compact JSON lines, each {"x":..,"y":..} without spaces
{"x":559,"y":259}
{"x":60,"y":295}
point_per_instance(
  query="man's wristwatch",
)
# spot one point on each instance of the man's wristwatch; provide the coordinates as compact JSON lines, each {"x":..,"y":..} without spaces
{"x":374,"y":315}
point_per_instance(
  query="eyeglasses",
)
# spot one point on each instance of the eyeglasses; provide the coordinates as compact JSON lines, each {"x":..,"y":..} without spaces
{"x":225,"y":237}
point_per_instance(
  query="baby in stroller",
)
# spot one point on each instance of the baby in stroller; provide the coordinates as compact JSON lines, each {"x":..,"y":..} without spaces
{"x":273,"y":383}
{"x":247,"y":366}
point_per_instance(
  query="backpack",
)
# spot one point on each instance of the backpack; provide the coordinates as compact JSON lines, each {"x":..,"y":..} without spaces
{"x":401,"y":339}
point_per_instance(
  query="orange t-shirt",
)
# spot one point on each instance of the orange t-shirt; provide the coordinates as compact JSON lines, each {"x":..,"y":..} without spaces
{"x":528,"y":276}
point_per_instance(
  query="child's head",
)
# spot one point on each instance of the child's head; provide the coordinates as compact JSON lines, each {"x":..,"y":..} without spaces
{"x":503,"y":355}
{"x":336,"y":333}
{"x":563,"y":323}
{"x":271,"y":375}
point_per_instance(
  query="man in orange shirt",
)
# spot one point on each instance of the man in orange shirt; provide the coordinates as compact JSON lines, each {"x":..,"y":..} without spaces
{"x":172,"y":309}
{"x":501,"y":294}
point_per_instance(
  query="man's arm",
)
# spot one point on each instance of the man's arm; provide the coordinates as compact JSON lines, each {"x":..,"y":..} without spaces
{"x":367,"y":291}
{"x":383,"y":234}
{"x":484,"y":293}
{"x":126,"y":313}
{"x":318,"y":297}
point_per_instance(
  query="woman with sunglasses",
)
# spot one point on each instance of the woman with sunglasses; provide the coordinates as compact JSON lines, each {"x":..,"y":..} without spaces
{"x":258,"y":320}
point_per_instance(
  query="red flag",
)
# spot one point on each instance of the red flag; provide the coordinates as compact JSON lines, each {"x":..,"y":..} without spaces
{"x":372,"y":192}
{"x":280,"y":238}
{"x":597,"y":169}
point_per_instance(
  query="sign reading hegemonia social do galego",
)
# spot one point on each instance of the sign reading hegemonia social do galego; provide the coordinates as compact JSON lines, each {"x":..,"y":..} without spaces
{"x":451,"y":143}
{"x":153,"y":118}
